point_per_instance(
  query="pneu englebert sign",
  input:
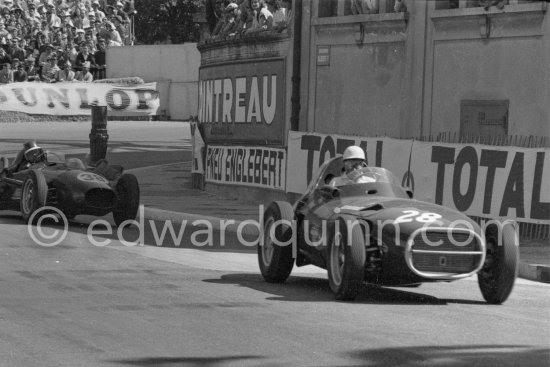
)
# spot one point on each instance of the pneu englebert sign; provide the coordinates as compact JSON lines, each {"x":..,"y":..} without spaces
{"x":77,"y":98}
{"x":246,"y":166}
{"x":243,"y":103}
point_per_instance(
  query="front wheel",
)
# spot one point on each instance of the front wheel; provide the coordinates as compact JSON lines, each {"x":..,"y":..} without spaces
{"x":346,"y":262}
{"x":498,"y":275}
{"x":127,"y":189}
{"x":275,"y":251}
{"x":34,"y":193}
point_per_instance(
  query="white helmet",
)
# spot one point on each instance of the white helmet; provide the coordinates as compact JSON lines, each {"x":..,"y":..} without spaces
{"x":353,"y":152}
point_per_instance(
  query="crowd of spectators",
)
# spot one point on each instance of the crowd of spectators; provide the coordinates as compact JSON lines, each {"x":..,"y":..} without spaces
{"x":231,"y":19}
{"x":60,"y":40}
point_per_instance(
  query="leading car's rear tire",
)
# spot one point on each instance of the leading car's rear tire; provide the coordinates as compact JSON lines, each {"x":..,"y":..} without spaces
{"x":127,"y":189}
{"x":498,"y":275}
{"x":34,"y":193}
{"x":346,"y":261}
{"x":276,"y":261}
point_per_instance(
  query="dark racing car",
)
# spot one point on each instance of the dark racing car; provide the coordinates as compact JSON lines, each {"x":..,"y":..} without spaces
{"x":41,"y":179}
{"x":372,"y":230}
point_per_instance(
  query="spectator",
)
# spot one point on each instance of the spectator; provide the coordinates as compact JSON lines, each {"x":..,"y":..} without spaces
{"x":112,"y":32}
{"x":66,"y":74}
{"x":84,"y":75}
{"x":279,"y":14}
{"x":6,"y":74}
{"x":50,"y":70}
{"x":230,"y":25}
{"x":84,"y":56}
{"x":109,"y":42}
{"x":253,"y":18}
{"x":33,"y":72}
{"x":99,"y":15}
{"x":79,"y":37}
{"x":266,"y":18}
{"x":16,"y":51}
{"x":119,"y":11}
{"x":100,"y":62}
{"x":4,"y":57}
{"x":45,"y":56}
{"x":20,"y":75}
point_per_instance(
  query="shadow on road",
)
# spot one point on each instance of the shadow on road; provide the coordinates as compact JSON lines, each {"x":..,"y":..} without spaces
{"x":455,"y":356}
{"x":183,"y":361}
{"x":308,"y":289}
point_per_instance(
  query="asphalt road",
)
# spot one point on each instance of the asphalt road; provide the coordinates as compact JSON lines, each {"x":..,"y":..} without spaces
{"x":76,"y":304}
{"x":132,"y":144}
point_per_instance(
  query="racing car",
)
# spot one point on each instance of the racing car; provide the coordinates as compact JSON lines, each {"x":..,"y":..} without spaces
{"x":70,"y":186}
{"x":373,"y":231}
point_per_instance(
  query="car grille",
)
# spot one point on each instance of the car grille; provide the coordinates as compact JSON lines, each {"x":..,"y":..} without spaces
{"x":100,"y":199}
{"x":463,"y":241}
{"x":445,"y":251}
{"x":444,"y":262}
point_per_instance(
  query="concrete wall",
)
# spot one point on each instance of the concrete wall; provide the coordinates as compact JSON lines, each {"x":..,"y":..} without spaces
{"x":174,"y":67}
{"x":406,"y":74}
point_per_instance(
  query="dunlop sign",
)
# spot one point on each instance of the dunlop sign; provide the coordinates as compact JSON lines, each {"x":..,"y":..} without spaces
{"x":78,"y":98}
{"x":243,"y":103}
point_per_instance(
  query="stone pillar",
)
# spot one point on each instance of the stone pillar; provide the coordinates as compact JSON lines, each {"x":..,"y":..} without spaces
{"x":98,"y":134}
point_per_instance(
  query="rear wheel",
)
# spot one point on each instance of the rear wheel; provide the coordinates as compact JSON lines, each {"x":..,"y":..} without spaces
{"x":33,"y":194}
{"x":346,"y":263}
{"x":275,"y":260}
{"x":498,"y":275}
{"x":127,"y":189}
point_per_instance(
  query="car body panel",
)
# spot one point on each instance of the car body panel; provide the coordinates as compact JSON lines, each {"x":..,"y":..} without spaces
{"x":408,"y":241}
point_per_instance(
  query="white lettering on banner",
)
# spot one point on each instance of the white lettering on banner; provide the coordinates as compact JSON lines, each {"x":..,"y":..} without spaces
{"x":221,"y":100}
{"x":78,"y":98}
{"x":248,"y":166}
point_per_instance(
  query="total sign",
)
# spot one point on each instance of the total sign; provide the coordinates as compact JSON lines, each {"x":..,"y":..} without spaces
{"x":243,"y":103}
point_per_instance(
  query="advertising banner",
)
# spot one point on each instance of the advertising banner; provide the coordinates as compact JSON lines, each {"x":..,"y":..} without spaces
{"x":485,"y":181}
{"x":66,"y":99}
{"x":246,"y":166}
{"x":243,"y":103}
{"x":479,"y":180}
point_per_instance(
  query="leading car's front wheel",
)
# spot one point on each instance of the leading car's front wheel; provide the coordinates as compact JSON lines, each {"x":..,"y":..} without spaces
{"x":127,"y":189}
{"x":33,"y":194}
{"x":275,"y":249}
{"x":498,"y":275}
{"x":346,"y":262}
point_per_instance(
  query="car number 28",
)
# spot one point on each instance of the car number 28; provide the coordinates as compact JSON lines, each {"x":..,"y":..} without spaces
{"x":422,"y":217}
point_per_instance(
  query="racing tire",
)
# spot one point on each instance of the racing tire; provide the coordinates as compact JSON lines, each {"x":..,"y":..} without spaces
{"x":346,"y":259}
{"x":276,"y":261}
{"x":127,"y":189}
{"x":497,"y":277}
{"x":34,"y":193}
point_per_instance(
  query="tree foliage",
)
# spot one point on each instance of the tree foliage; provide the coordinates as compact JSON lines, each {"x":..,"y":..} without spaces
{"x":166,"y":21}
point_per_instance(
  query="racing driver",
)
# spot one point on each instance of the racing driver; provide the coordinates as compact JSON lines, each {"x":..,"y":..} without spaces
{"x":30,"y":154}
{"x":354,"y":158}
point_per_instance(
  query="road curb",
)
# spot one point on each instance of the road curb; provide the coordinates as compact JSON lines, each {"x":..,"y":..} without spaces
{"x":539,"y":273}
